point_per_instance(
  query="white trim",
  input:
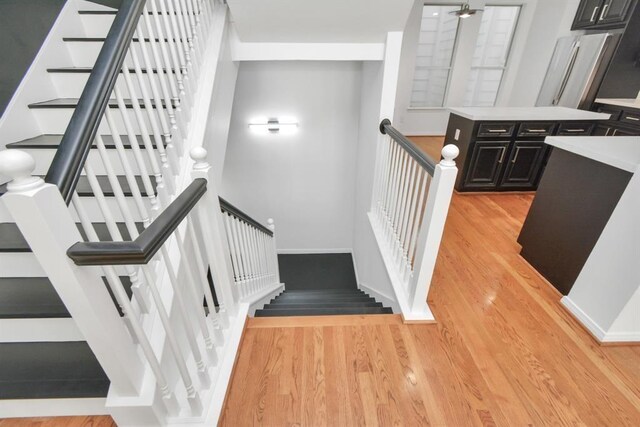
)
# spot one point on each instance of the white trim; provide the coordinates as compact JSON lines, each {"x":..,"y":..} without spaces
{"x":380,"y":297}
{"x":314,"y":251}
{"x":242,"y":51}
{"x":21,"y":408}
{"x":38,"y":330}
{"x":584,"y":318}
{"x":355,"y":267}
{"x":258,"y":301}
{"x":595,"y":329}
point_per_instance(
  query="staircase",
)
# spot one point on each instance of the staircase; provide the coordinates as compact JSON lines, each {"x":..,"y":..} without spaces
{"x":322,"y":302}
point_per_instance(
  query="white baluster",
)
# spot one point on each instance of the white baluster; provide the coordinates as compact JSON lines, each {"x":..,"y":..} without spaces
{"x":177,"y":44}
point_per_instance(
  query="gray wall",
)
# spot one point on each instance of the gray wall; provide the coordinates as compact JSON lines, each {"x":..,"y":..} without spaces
{"x":24,"y":24}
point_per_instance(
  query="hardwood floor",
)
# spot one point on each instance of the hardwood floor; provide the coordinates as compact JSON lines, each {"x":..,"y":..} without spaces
{"x":503,"y":352}
{"x":101,"y":421}
{"x":432,"y":145}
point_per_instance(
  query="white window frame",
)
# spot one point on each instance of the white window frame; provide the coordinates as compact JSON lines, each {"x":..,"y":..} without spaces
{"x":439,"y":67}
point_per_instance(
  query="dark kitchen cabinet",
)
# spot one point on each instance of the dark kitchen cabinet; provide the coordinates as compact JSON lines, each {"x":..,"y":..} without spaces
{"x":487,"y":161}
{"x":623,"y":122}
{"x":522,"y":169}
{"x":587,"y":14}
{"x":602,"y":14}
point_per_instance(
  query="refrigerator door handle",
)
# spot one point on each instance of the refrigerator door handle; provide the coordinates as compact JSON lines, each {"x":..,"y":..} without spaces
{"x":567,"y":73}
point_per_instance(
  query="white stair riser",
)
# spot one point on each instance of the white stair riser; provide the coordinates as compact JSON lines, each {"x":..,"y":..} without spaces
{"x":38,"y":330}
{"x":71,"y":85}
{"x":43,"y":158}
{"x":20,"y":264}
{"x":85,"y":53}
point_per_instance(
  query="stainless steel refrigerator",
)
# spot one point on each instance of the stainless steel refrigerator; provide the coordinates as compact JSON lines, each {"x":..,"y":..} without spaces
{"x":576,"y":70}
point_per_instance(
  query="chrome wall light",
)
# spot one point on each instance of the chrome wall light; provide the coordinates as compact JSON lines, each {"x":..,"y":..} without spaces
{"x":273,"y":125}
{"x":465,"y":11}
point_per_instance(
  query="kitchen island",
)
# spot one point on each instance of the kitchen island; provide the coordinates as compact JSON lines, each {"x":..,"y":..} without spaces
{"x":503,"y":149}
{"x":582,"y":232}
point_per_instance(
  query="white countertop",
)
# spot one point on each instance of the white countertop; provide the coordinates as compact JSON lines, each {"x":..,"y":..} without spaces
{"x":622,"y":152}
{"x":527,"y":113}
{"x":620,"y":102}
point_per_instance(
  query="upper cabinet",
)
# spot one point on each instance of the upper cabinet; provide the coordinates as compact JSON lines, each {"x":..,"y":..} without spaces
{"x":602,"y":14}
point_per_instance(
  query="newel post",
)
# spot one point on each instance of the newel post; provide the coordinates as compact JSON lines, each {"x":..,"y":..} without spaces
{"x":432,"y":227}
{"x":210,"y":220}
{"x":46,"y":223}
{"x":272,"y":226}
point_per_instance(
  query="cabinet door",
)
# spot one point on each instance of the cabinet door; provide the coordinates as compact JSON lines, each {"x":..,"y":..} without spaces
{"x":614,"y":12}
{"x":601,"y":130}
{"x":486,"y":164}
{"x":587,"y":14}
{"x":523,"y":166}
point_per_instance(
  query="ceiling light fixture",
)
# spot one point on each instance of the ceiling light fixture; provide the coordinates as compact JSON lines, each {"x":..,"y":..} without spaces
{"x":465,"y":11}
{"x":273,"y":126}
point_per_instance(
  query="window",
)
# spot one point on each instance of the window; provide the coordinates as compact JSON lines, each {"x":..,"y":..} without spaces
{"x":438,"y":32}
{"x":490,"y":56}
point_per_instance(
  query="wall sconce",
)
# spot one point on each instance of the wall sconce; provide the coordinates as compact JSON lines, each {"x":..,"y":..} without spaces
{"x":274,"y":126}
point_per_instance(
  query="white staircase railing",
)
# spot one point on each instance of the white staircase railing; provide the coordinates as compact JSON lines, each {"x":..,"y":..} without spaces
{"x":411,"y":197}
{"x":166,"y":355}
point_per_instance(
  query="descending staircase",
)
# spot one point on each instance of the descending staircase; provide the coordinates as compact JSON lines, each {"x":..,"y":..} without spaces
{"x":322,"y":302}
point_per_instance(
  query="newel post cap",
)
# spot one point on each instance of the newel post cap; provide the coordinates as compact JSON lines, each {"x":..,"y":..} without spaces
{"x":199,"y":156}
{"x":271,"y":224}
{"x":19,"y":166}
{"x":449,"y":152}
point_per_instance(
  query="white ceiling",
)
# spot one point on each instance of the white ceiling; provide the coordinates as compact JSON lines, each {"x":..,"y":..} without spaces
{"x":328,"y":21}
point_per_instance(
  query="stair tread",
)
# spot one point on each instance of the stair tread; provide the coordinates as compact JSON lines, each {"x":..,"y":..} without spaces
{"x":113,"y":12}
{"x":276,"y":306}
{"x":87,"y":70}
{"x":84,"y":189}
{"x":317,"y":291}
{"x":323,"y":311}
{"x":12,"y":240}
{"x":51,"y":141}
{"x":41,"y":370}
{"x":102,"y":39}
{"x":35,"y":298}
{"x":73,"y":102}
{"x":321,"y":297}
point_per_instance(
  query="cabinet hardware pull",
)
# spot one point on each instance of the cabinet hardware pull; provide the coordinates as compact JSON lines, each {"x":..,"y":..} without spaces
{"x":504,"y":150}
{"x":635,"y":119}
{"x":537,"y":130}
{"x":498,"y":130}
{"x":515,"y":157}
{"x":574,"y":130}
{"x":615,"y":132}
{"x":605,"y":9}
{"x":593,"y":15}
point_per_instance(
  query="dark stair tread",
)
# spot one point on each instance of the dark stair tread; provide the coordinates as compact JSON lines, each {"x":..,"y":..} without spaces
{"x":321,"y":291}
{"x":322,"y":311}
{"x":12,"y":240}
{"x":41,"y":370}
{"x":113,"y":12}
{"x":322,"y":297}
{"x":73,"y":102}
{"x":88,"y":70}
{"x":35,"y":297}
{"x":102,"y":39}
{"x":84,"y":189}
{"x":321,"y":305}
{"x":53,"y":141}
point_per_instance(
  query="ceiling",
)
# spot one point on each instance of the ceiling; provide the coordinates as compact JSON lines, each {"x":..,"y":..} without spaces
{"x":328,"y":21}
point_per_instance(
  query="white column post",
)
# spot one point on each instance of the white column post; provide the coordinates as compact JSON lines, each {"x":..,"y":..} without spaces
{"x":46,"y":223}
{"x":272,"y":227}
{"x":432,"y":227}
{"x":214,"y":234}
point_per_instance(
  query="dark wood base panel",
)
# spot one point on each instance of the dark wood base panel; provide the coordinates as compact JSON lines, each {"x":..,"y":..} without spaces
{"x":574,"y":202}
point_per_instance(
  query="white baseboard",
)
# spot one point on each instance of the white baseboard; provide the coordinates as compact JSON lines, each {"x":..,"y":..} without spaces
{"x":315,"y":251}
{"x":595,"y":329}
{"x":39,"y":330}
{"x":21,"y":408}
{"x":380,"y":297}
{"x":584,"y":318}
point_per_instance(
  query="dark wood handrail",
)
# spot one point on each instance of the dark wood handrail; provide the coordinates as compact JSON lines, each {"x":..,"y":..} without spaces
{"x":228,"y":207}
{"x":145,"y":246}
{"x":75,"y":145}
{"x":418,"y":155}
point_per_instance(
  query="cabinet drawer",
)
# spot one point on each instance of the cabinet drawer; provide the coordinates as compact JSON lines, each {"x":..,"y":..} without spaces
{"x":536,"y":129}
{"x":496,"y":129}
{"x":630,"y":117}
{"x":569,"y":129}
